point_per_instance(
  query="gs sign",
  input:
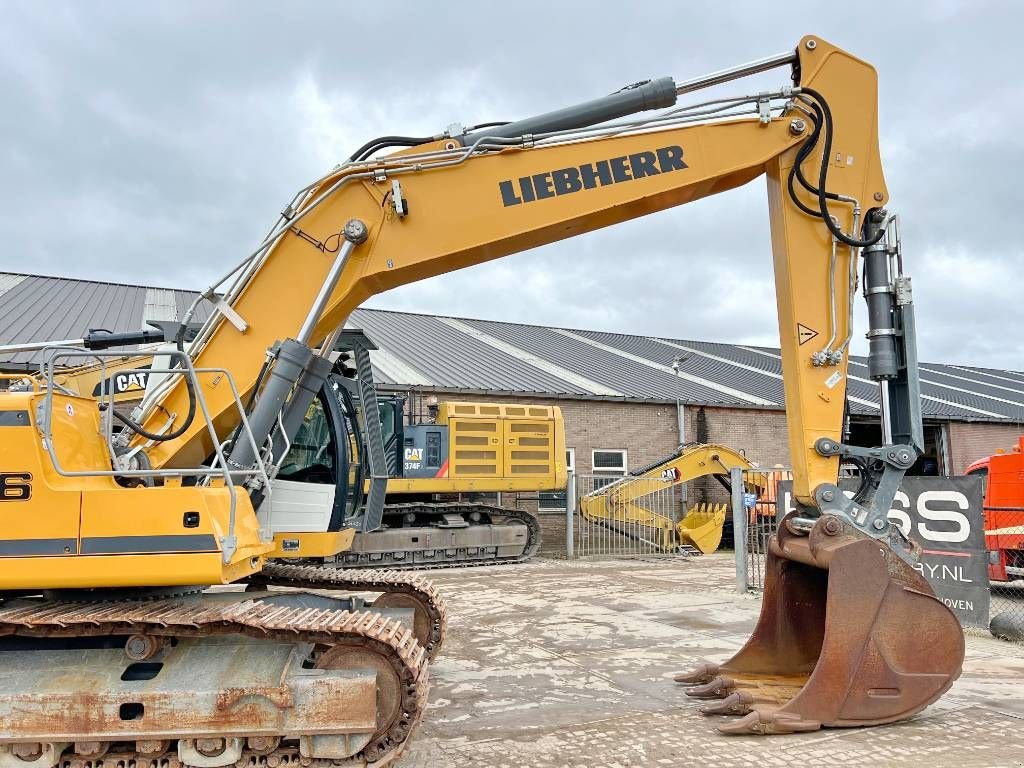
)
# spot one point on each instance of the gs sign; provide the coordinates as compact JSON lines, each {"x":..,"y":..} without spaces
{"x":15,"y":486}
{"x":943,"y":515}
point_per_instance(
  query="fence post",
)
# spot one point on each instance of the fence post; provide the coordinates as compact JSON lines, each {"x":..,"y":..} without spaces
{"x":570,"y":512}
{"x":739,"y":528}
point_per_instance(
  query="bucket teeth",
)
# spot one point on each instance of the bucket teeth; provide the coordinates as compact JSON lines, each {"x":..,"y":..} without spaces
{"x":763,"y":723}
{"x":738,"y":703}
{"x":718,"y":688}
{"x":704,"y":672}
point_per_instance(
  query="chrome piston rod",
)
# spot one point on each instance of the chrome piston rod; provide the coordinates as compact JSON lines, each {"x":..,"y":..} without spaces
{"x":737,"y":72}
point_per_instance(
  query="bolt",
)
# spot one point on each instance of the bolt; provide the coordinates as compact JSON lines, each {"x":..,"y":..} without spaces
{"x":831,"y":526}
{"x":878,"y":197}
{"x":878,"y":525}
{"x":827,"y":495}
{"x":798,"y":126}
{"x":263,"y":745}
{"x":142,"y":647}
{"x":27,"y":752}
{"x":152,"y":747}
{"x":811,"y":45}
{"x":356,"y":232}
{"x":904,"y":457}
{"x":892,"y":454}
{"x":210,"y":747}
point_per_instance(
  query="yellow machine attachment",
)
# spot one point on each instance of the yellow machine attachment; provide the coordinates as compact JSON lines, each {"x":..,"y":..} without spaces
{"x":702,"y":527}
{"x":623,"y":500}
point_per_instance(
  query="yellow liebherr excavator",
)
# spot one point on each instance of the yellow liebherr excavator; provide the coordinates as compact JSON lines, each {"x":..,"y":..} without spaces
{"x":850,"y":633}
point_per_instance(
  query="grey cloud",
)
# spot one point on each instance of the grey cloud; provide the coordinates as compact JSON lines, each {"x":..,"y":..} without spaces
{"x":155,"y":143}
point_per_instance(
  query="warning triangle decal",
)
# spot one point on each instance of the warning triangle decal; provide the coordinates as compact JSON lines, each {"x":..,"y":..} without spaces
{"x":805,"y":333}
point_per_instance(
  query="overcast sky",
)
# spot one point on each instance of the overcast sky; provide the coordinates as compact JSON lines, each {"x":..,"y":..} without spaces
{"x":155,"y":142}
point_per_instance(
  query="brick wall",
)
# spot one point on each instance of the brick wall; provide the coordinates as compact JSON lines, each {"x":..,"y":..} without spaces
{"x":970,"y":442}
{"x":648,"y":432}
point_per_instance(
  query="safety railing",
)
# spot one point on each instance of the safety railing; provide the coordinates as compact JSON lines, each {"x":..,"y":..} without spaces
{"x":219,"y":469}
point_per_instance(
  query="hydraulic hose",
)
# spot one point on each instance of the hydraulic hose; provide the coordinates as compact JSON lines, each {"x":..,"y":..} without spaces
{"x":179,"y":342}
{"x":823,"y":177}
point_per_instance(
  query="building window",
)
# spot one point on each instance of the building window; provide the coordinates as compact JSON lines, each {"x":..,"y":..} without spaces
{"x":609,"y":462}
{"x":554,"y":501}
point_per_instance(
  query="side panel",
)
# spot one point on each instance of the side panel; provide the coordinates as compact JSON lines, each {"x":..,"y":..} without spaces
{"x":529,"y":447}
{"x":38,"y":516}
{"x":425,"y":451}
{"x":475,"y":449}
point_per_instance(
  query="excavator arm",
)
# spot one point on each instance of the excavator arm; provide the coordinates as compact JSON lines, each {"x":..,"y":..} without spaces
{"x":623,"y":500}
{"x":444,"y":206}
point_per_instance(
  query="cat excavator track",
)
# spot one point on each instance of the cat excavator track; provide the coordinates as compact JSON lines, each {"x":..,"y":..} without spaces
{"x":308,"y":683}
{"x":501,"y":535}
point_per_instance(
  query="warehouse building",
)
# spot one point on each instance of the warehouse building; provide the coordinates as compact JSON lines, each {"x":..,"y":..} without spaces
{"x":627,"y":400}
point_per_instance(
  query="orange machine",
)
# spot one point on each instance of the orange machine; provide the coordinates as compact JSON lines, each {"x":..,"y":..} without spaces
{"x":1004,"y":511}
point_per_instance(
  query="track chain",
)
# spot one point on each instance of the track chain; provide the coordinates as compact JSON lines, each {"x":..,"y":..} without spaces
{"x":533,"y":535}
{"x":282,"y":574}
{"x":250,"y":618}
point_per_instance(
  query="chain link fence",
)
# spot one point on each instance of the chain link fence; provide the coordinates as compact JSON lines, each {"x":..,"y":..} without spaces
{"x":1004,"y":539}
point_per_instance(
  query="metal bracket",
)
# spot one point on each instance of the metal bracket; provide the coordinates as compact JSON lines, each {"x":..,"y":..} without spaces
{"x":870,"y":515}
{"x":904,"y":291}
{"x":398,"y":202}
{"x":229,"y":312}
{"x":228,"y":545}
{"x":764,"y":109}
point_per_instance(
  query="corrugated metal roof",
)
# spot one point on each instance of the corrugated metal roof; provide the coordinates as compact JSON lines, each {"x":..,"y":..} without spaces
{"x":486,"y":355}
{"x":44,"y":308}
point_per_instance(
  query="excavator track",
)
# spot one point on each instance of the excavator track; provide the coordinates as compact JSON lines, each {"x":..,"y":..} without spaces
{"x":443,"y":555}
{"x":400,"y":590}
{"x":56,"y":729}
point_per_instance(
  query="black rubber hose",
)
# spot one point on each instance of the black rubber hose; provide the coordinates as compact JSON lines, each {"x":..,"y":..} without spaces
{"x":138,"y":429}
{"x":805,"y":149}
{"x":179,"y":342}
{"x":387,"y":141}
{"x":814,"y":140}
{"x":823,"y":177}
{"x":478,"y":126}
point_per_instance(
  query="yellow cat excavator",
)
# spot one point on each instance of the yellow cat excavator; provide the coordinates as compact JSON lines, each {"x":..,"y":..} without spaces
{"x":620,"y":504}
{"x":113,"y":646}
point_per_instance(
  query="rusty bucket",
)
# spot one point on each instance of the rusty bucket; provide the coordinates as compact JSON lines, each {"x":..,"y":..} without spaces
{"x":850,"y":634}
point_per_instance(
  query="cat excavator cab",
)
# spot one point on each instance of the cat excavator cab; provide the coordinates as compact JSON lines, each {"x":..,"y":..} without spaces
{"x":114,"y":650}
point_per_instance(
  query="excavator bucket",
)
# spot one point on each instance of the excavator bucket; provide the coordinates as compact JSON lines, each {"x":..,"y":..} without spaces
{"x":849,"y":635}
{"x":702,"y":527}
